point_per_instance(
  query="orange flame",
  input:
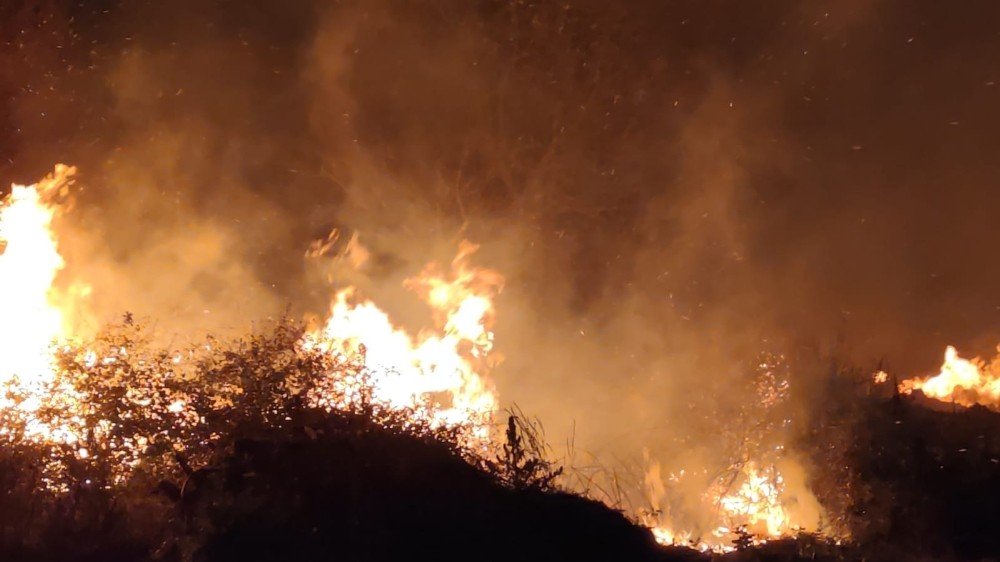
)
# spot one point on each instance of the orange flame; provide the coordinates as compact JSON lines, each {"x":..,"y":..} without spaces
{"x":28,"y":267}
{"x":438,"y":375}
{"x":32,"y":321}
{"x":753,"y":502}
{"x":762,"y":496}
{"x":966,"y":382}
{"x":757,"y":503}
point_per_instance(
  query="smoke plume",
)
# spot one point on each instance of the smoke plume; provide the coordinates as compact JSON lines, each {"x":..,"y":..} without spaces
{"x":670,"y":188}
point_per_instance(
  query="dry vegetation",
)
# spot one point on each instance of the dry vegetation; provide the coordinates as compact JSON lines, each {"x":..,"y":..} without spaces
{"x":248,"y":470}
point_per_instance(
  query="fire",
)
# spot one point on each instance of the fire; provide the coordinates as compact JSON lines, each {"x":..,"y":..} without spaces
{"x":761,"y":493}
{"x":435,"y":377}
{"x":32,"y":321}
{"x":752,"y":502}
{"x":966,"y":382}
{"x":757,"y":503}
{"x":438,"y":375}
{"x":28,"y":267}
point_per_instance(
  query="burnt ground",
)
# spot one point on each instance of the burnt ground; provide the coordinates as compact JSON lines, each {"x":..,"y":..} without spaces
{"x":924,"y":484}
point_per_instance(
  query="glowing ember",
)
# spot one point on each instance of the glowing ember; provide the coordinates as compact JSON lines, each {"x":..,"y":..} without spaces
{"x":962,"y":381}
{"x":762,"y":495}
{"x":757,"y":503}
{"x":751,"y":503}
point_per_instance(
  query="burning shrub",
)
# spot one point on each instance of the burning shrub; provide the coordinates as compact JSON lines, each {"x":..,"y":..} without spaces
{"x":204,"y":453}
{"x":119,"y":417}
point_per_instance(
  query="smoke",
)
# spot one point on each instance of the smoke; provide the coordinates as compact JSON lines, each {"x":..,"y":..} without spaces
{"x":669,"y":188}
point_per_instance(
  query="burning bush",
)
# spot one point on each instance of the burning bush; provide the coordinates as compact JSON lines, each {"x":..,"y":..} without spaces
{"x":178,"y":455}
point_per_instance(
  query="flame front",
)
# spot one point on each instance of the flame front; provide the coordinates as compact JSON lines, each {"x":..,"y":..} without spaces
{"x":760,"y":492}
{"x":437,"y":375}
{"x":434,"y":377}
{"x":961,"y":381}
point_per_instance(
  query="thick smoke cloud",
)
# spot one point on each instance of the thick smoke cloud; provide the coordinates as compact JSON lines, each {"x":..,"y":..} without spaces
{"x":669,"y":187}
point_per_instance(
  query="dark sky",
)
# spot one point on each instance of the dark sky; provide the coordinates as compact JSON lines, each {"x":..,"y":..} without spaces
{"x":667,"y":186}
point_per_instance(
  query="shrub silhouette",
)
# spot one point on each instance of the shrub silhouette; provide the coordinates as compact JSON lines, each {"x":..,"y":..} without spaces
{"x":221,"y":452}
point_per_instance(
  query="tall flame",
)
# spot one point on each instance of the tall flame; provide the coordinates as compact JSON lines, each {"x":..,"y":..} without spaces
{"x":962,"y":381}
{"x":30,"y":261}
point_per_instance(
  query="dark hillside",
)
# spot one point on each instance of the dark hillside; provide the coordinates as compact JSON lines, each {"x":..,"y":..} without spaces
{"x":263,"y":476}
{"x":931,"y":475}
{"x":384,"y":495}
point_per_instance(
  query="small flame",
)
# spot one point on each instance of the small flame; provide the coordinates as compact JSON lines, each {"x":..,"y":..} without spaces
{"x":752,"y":502}
{"x":966,"y":382}
{"x":756,"y":505}
{"x":761,"y":496}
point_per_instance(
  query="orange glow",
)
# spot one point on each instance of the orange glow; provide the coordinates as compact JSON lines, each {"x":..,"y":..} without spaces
{"x":757,"y":503}
{"x":753,"y":502}
{"x":966,"y":382}
{"x":32,"y":323}
{"x":762,"y":495}
{"x":28,"y":267}
{"x":438,"y":375}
